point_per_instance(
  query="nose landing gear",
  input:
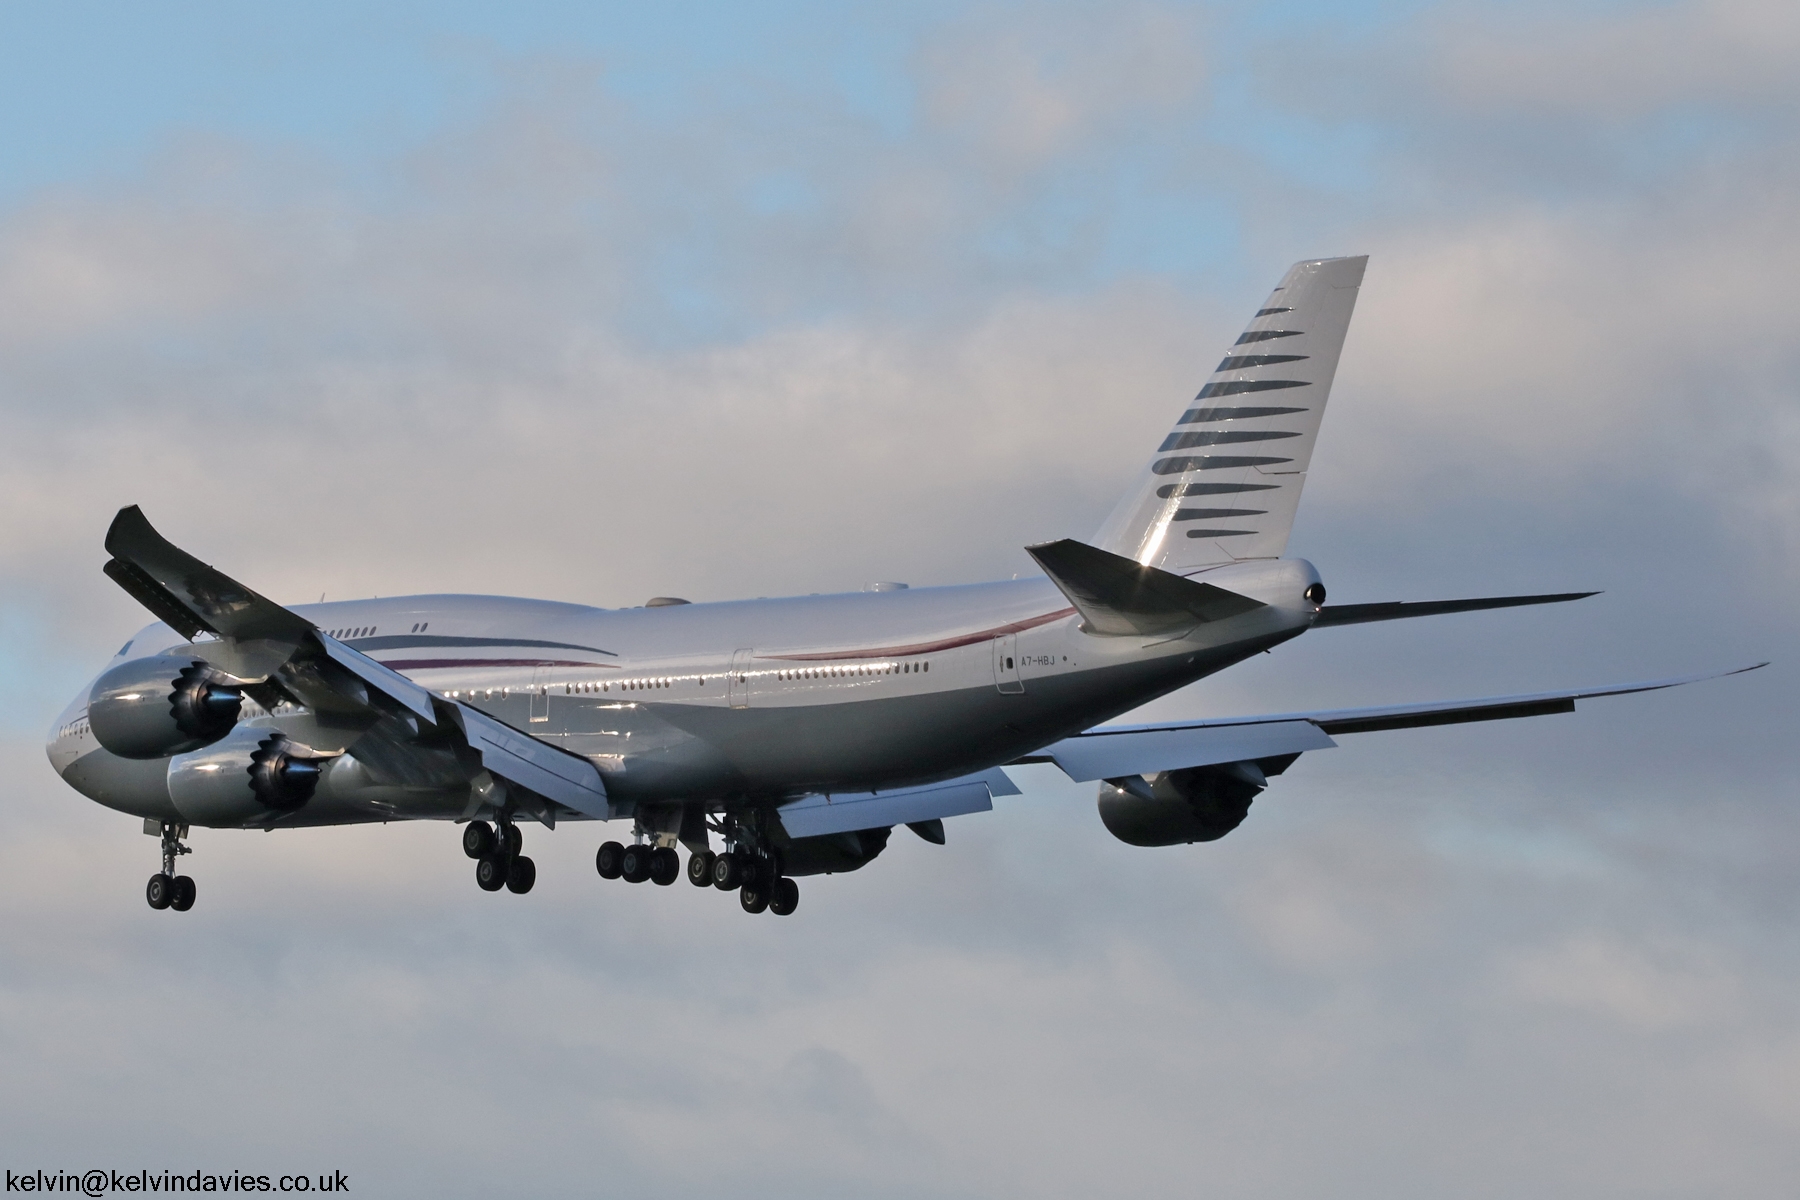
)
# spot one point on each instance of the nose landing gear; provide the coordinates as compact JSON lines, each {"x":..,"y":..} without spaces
{"x":166,"y":889}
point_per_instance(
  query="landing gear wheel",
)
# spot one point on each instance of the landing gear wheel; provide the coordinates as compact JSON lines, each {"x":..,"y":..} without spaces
{"x":700,"y":868}
{"x":478,"y":839}
{"x":665,"y":866}
{"x":184,"y":894}
{"x":609,"y":860}
{"x":728,"y":872}
{"x":521,"y":875}
{"x":515,"y":841}
{"x":753,"y":898}
{"x":490,"y":873}
{"x":786,"y":898}
{"x":635,"y":865}
{"x":160,"y":891}
{"x":753,"y":871}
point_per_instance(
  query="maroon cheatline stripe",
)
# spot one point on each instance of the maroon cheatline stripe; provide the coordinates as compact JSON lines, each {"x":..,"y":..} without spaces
{"x":967,"y":639}
{"x":432,"y":664}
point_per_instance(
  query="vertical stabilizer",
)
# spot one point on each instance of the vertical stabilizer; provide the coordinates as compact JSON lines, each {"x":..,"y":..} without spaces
{"x":1224,"y":485}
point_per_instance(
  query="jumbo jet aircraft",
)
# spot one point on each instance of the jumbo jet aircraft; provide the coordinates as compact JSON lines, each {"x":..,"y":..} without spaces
{"x":800,"y":731}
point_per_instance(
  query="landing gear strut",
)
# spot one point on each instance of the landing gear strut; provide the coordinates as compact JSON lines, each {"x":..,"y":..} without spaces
{"x":166,"y":889}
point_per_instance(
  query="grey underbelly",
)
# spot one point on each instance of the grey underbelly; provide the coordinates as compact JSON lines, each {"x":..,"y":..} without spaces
{"x":678,"y":751}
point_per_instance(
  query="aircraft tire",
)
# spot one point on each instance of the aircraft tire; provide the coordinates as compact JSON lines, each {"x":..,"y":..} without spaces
{"x":665,"y":866}
{"x":184,"y":893}
{"x":728,"y":872}
{"x":515,"y":841}
{"x":635,"y":864}
{"x":609,"y":860}
{"x":786,"y":898}
{"x":160,"y":891}
{"x":753,"y":898}
{"x":700,"y":868}
{"x":490,"y":873}
{"x":521,"y":875}
{"x":478,"y":839}
{"x":752,"y":871}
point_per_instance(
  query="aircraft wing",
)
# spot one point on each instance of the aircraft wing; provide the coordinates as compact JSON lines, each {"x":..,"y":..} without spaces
{"x":280,"y":655}
{"x":1118,"y":751}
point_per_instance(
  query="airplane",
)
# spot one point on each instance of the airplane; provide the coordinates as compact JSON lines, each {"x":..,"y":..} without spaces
{"x":799,"y":731}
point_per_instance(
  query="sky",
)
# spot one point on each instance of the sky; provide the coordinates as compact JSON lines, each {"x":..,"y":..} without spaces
{"x":599,"y":302}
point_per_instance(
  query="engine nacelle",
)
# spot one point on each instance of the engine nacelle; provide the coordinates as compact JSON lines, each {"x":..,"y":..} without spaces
{"x":1196,"y":804}
{"x":164,"y":706}
{"x":249,"y":775}
{"x":833,"y":853}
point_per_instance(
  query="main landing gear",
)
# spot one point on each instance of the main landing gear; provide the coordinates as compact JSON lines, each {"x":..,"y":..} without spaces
{"x":756,"y":878}
{"x":166,"y":889}
{"x":499,"y":862}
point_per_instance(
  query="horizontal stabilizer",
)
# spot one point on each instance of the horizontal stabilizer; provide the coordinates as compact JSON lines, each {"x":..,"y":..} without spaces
{"x":1115,"y":751}
{"x":1120,"y":598}
{"x":1394,"y":610}
{"x":848,"y":812}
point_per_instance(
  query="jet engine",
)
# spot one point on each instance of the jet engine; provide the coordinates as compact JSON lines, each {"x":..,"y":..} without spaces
{"x":163,"y":706}
{"x":1195,"y":804}
{"x":248,"y":776}
{"x":833,"y":853}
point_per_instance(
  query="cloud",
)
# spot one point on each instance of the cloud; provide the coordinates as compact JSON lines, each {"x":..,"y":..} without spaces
{"x":1024,"y":86}
{"x":1624,"y":64}
{"x":1596,"y":975}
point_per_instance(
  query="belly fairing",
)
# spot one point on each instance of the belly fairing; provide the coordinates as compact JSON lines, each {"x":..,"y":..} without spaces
{"x":136,"y":786}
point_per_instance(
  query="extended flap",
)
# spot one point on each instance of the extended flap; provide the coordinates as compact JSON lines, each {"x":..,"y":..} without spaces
{"x":384,"y":678}
{"x":568,"y":779}
{"x":1104,"y":755}
{"x":846,"y":812}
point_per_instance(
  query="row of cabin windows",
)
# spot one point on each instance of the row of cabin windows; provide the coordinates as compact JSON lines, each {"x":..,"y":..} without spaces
{"x":850,"y":672}
{"x":356,"y":631}
{"x":635,"y":685}
{"x":569,"y":689}
{"x":594,"y":689}
{"x":624,"y":685}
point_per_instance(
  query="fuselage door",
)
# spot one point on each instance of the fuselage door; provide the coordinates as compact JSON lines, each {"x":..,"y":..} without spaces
{"x":1006,"y":665}
{"x":737,"y":686}
{"x":540,"y":694}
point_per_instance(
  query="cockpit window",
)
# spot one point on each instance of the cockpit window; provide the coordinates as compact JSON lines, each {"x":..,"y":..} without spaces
{"x":125,"y":649}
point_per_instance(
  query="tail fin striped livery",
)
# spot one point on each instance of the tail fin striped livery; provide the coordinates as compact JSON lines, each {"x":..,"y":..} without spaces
{"x":1224,"y":485}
